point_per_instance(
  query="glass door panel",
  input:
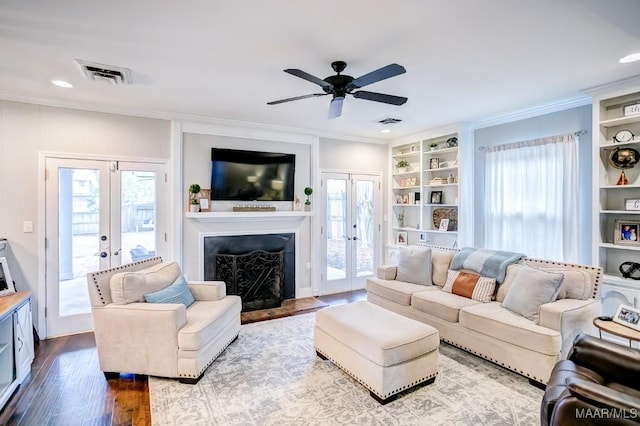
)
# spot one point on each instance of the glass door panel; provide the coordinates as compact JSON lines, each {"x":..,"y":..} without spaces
{"x":365,"y":226}
{"x":137,"y":215}
{"x":336,"y":205}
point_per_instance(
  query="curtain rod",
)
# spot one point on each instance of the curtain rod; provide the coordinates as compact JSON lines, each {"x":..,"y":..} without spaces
{"x":577,"y":133}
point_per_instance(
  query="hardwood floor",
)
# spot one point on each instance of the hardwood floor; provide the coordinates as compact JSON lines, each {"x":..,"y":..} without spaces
{"x":66,"y":386}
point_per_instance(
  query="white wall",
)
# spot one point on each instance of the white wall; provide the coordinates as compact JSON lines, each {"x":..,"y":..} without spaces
{"x":25,"y":130}
{"x":567,"y":121}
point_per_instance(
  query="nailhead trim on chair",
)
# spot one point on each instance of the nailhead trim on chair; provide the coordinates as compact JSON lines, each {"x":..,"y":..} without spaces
{"x":210,"y":362}
{"x":390,"y":393}
{"x":117,"y":268}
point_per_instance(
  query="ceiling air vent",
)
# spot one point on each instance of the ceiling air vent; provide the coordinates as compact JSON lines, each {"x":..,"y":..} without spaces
{"x":102,"y":72}
{"x":389,"y":120}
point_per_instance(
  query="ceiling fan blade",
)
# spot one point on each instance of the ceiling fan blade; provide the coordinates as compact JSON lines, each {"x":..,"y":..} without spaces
{"x":309,"y":77}
{"x":383,"y":73}
{"x":313,"y":95}
{"x":335,"y":108}
{"x":380,"y":97}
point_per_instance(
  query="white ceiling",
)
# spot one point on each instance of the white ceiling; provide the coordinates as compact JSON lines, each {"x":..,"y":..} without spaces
{"x":466,"y":59}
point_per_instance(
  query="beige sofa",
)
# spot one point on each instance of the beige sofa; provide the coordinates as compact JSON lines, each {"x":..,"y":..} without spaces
{"x":489,"y":329}
{"x":159,"y":339}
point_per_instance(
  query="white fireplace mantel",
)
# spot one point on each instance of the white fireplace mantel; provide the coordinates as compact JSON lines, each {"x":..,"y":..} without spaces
{"x":247,"y":216}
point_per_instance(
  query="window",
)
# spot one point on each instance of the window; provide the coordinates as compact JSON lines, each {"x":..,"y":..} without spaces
{"x":531,"y":198}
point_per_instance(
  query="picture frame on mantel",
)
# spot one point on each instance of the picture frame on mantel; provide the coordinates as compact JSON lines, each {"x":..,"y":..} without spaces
{"x":204,"y":200}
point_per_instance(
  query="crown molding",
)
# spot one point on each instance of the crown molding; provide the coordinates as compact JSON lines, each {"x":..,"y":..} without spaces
{"x":185,"y":118}
{"x":534,"y":112}
{"x":624,"y":85}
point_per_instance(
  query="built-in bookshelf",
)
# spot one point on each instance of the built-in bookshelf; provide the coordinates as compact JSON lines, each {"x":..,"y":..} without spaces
{"x":425,"y":195}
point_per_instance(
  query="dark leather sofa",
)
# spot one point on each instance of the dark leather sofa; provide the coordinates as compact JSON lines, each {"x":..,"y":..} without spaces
{"x":598,"y":384}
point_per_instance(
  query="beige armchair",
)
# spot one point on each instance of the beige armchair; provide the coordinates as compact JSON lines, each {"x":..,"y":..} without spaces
{"x":159,"y":339}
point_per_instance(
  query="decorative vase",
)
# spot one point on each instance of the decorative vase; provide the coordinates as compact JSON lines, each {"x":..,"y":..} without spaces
{"x":401,"y":169}
{"x":622,"y":180}
{"x":307,"y":207}
{"x":194,"y":208}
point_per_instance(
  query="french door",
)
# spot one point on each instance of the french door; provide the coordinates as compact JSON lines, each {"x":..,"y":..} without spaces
{"x":98,"y":214}
{"x":351,"y":232}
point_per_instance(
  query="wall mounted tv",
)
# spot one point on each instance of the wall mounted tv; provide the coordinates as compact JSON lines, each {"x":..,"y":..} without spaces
{"x":251,"y":175}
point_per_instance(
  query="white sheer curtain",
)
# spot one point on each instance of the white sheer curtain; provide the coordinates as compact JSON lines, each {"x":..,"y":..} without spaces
{"x":531,"y":198}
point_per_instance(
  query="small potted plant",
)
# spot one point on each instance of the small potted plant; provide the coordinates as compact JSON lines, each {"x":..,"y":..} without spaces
{"x":307,"y":204}
{"x":194,"y":204}
{"x":433,"y":146}
{"x":402,"y":166}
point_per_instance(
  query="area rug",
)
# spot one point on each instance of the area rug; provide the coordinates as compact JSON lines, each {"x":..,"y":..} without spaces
{"x":272,"y":376}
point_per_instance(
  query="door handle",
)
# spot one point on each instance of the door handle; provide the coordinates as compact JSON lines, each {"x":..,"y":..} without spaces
{"x":355,"y":238}
{"x":103,"y":254}
{"x":117,"y":252}
{"x":346,"y":238}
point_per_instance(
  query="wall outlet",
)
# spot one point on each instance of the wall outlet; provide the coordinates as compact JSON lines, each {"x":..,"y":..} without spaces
{"x":27,"y":226}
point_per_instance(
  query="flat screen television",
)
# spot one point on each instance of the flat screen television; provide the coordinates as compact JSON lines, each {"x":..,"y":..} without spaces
{"x":252,"y":175}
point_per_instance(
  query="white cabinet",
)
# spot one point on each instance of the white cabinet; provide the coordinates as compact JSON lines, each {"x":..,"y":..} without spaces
{"x":16,"y":342}
{"x":425,"y":191}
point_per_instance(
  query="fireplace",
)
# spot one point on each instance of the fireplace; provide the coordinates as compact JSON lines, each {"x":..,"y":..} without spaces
{"x":258,"y":268}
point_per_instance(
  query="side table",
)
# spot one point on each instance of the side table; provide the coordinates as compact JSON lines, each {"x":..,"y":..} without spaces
{"x":616,"y":329}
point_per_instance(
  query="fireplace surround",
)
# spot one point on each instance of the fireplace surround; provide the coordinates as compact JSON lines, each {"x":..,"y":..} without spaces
{"x":249,"y":266}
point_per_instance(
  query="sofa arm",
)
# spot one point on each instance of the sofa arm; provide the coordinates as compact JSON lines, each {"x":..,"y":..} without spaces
{"x":208,"y":290}
{"x":602,"y":396}
{"x":570,"y":317}
{"x":129,"y":336}
{"x":387,"y":272}
{"x":616,"y":363}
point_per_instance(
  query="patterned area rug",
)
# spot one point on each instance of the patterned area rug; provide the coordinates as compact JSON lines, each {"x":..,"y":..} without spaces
{"x":272,"y":376}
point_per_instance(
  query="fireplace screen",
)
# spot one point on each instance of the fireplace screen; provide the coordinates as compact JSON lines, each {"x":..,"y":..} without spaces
{"x":257,"y":277}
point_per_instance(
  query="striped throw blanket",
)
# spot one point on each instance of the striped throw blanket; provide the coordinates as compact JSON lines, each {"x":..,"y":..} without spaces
{"x":486,"y":262}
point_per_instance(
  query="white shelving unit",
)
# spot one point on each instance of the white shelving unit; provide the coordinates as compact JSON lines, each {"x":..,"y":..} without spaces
{"x":411,"y":207}
{"x":609,"y":197}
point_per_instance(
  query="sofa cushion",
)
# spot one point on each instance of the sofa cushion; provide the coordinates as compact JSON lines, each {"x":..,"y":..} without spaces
{"x":130,"y":287}
{"x":493,"y":320}
{"x":441,"y":304}
{"x":472,"y":286}
{"x":503,"y":289}
{"x":396,"y":291}
{"x":414,"y":265}
{"x":178,"y":292}
{"x":530,"y":289}
{"x":206,"y":320}
{"x":576,"y":284}
{"x":440,"y":261}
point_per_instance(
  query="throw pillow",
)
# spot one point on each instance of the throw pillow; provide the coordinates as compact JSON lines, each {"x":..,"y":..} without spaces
{"x":440,"y":260}
{"x":414,"y":265}
{"x":531,"y":289}
{"x":178,"y":292}
{"x":471,"y":286}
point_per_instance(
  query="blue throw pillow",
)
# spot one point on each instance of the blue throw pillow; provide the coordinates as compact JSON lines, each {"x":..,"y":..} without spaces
{"x":178,"y":292}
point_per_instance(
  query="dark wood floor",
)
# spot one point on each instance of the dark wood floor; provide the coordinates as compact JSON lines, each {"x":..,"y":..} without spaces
{"x":66,"y":387}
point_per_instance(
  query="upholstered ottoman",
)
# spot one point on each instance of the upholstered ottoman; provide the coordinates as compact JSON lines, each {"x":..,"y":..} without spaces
{"x":384,"y":351}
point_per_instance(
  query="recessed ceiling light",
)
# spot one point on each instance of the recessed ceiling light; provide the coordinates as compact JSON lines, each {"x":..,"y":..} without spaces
{"x":630,"y":58}
{"x":62,"y":83}
{"x":385,"y":131}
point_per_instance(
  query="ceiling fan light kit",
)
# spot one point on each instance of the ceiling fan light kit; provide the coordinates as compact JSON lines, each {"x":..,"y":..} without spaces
{"x":341,"y":85}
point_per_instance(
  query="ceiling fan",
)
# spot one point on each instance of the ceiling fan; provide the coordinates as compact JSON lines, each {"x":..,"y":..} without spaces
{"x":340,"y":85}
